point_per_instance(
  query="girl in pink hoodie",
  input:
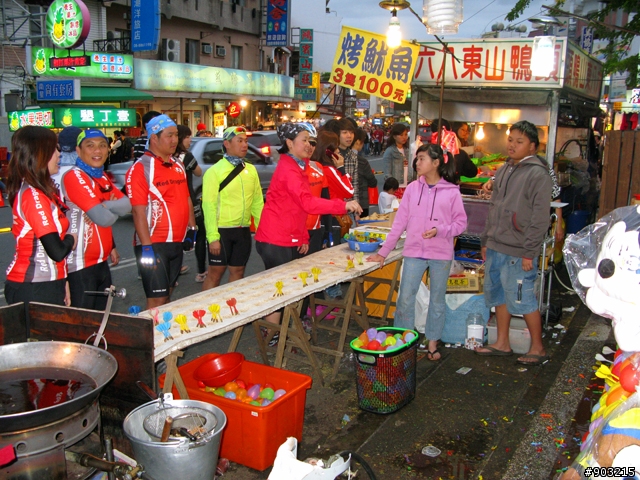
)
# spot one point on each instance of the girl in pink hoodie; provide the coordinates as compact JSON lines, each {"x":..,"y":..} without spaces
{"x":432,"y":214}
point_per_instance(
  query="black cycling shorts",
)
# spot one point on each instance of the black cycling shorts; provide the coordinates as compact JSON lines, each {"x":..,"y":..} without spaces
{"x":235,"y":248}
{"x":275,"y":255}
{"x":160,"y":278}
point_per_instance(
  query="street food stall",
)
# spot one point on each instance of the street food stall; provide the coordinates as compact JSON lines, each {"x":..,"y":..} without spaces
{"x":492,"y":87}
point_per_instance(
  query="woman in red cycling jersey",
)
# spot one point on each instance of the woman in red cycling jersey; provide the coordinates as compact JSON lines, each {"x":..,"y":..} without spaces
{"x":38,"y":270}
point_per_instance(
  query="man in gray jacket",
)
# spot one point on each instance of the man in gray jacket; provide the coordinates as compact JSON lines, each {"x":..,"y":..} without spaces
{"x":516,"y":226}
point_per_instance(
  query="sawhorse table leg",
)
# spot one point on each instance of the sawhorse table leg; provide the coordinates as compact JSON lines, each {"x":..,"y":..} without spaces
{"x":173,"y":375}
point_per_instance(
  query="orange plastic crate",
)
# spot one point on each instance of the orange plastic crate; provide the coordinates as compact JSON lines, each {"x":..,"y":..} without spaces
{"x":254,"y":434}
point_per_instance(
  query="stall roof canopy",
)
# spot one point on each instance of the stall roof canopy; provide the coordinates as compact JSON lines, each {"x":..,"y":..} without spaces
{"x":113,"y":94}
{"x":489,"y":95}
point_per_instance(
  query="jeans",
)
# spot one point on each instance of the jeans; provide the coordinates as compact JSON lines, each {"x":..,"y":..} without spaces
{"x":412,"y":271}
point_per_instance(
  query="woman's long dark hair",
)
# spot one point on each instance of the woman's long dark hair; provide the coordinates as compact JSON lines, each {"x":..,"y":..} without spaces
{"x":183,"y":132}
{"x":31,"y":149}
{"x":326,"y":140}
{"x":396,"y":129}
{"x":446,"y":170}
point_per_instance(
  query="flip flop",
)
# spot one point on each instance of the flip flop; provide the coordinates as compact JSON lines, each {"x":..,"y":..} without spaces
{"x":430,"y":355}
{"x":494,"y":352}
{"x":538,"y":359}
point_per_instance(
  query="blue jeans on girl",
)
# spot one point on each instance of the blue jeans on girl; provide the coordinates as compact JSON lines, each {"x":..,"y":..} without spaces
{"x":412,"y":271}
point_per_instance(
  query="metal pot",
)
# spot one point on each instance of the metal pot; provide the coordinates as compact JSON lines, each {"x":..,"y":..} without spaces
{"x":94,"y":362}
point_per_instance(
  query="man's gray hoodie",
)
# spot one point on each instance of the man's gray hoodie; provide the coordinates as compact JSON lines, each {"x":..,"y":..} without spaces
{"x":519,"y":214}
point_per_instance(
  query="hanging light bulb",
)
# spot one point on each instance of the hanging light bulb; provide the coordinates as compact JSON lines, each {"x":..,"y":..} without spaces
{"x":542,"y":58}
{"x":442,"y":16}
{"x":394,"y":35}
{"x":480,"y":132}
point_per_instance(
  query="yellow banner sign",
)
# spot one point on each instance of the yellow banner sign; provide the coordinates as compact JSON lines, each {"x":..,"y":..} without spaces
{"x":218,"y":120}
{"x":364,"y":63}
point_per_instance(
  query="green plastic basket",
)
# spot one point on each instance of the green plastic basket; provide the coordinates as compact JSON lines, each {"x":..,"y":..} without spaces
{"x":386,"y":380}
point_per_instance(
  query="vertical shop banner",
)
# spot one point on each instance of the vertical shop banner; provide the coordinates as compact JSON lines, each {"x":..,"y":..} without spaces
{"x":363,"y":62}
{"x":145,"y":25}
{"x":277,"y":23}
{"x":306,"y":50}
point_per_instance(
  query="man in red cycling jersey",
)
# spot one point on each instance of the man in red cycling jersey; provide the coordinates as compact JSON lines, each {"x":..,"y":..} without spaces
{"x":162,"y":211}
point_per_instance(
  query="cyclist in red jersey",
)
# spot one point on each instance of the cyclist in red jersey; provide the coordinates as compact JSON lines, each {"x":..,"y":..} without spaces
{"x":38,"y":270}
{"x":95,"y":204}
{"x":164,"y":221}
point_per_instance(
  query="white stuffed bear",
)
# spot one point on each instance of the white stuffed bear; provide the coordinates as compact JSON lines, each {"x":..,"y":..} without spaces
{"x":614,"y":285}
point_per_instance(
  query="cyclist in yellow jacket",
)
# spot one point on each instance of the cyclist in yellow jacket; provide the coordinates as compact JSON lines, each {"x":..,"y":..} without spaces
{"x":231,"y":195}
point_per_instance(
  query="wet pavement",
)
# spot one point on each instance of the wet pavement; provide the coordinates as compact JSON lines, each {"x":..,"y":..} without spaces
{"x":500,"y":420}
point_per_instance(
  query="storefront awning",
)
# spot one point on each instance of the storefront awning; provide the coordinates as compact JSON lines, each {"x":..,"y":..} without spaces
{"x":113,"y":94}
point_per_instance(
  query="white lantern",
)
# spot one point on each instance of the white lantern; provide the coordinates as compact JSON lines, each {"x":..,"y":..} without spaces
{"x":394,"y":35}
{"x":442,"y":16}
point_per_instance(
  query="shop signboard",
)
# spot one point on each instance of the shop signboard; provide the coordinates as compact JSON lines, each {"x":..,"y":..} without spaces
{"x":635,"y":96}
{"x":583,"y":74}
{"x":160,"y":75}
{"x":145,"y":25}
{"x":305,"y":79}
{"x":85,"y":117}
{"x":68,"y":23}
{"x":234,"y":109}
{"x":58,"y":90}
{"x":362,"y":103}
{"x":363,"y":62}
{"x":586,"y":39}
{"x":618,"y":87}
{"x":487,"y":63}
{"x":218,"y":120}
{"x":75,"y":63}
{"x":305,"y":94}
{"x":277,"y":23}
{"x":40,"y":117}
{"x":307,"y":106}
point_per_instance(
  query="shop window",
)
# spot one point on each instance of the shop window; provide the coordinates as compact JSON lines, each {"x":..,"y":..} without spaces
{"x":236,"y":57}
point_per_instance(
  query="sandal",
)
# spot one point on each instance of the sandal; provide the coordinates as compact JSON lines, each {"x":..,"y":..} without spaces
{"x":200,"y":277}
{"x":431,"y":355}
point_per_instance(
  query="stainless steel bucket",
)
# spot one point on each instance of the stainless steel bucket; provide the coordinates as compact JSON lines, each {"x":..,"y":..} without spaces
{"x":177,"y":458}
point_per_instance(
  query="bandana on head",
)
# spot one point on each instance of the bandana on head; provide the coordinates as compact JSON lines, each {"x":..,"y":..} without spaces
{"x":159,"y":123}
{"x":90,"y":133}
{"x":290,"y":131}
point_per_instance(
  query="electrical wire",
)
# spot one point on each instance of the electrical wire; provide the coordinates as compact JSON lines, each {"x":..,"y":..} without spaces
{"x":555,"y":272}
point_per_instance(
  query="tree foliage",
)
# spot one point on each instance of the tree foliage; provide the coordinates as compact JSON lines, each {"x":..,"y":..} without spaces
{"x":619,"y":39}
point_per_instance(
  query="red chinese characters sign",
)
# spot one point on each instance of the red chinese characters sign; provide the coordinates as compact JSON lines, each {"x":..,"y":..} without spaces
{"x":583,"y":74}
{"x":365,"y":63}
{"x":487,"y":63}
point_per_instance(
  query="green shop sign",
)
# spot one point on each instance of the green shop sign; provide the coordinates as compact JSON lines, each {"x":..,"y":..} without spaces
{"x":41,"y":117}
{"x":95,"y":117}
{"x":68,"y":23}
{"x":76,"y":63}
{"x":159,"y":75}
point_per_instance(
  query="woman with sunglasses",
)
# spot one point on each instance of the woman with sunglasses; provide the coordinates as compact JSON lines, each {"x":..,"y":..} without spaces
{"x":282,"y":235}
{"x":38,"y":271}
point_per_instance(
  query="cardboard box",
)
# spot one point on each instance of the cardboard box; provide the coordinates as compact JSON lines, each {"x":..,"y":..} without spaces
{"x":467,"y":282}
{"x":519,"y":336}
{"x":373,"y":231}
{"x":253,"y":434}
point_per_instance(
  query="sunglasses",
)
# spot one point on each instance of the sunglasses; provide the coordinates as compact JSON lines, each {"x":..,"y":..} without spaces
{"x":239,"y":130}
{"x":313,"y":143}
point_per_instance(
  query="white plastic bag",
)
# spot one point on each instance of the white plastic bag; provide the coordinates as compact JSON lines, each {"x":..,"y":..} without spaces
{"x":422,"y":307}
